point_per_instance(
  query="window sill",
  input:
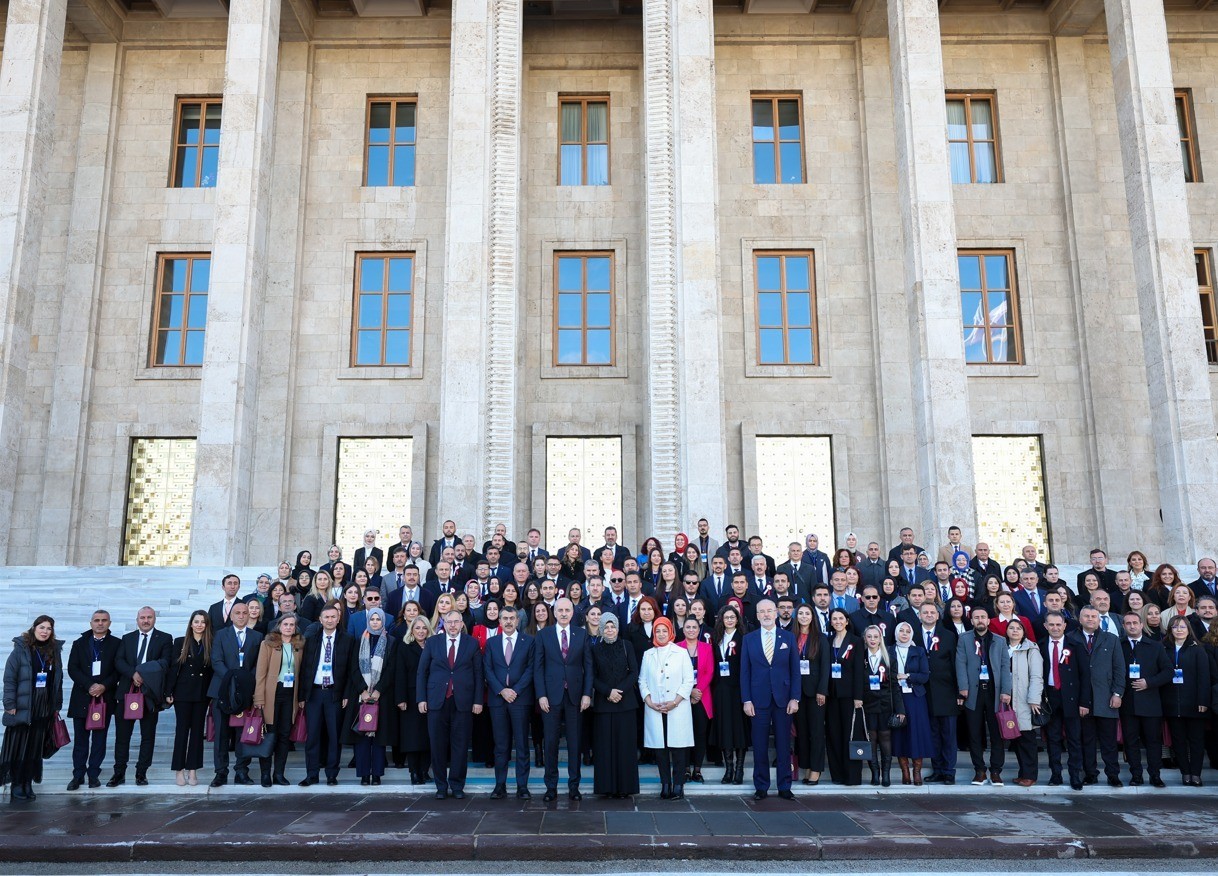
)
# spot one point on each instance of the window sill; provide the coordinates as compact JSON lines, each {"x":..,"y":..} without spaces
{"x":1001,"y":371}
{"x":582,"y":372}
{"x":754,"y":369}
{"x":382,"y":372}
{"x":170,"y":372}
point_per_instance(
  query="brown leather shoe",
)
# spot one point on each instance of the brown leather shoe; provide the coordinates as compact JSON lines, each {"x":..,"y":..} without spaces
{"x":1025,"y":783}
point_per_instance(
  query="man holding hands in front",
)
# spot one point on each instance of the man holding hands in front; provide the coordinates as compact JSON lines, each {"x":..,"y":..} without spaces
{"x":770,"y":689}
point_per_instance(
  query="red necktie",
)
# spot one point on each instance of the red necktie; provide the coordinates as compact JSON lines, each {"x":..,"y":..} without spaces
{"x":1057,"y":667}
{"x":565,"y":647}
{"x":452,"y":662}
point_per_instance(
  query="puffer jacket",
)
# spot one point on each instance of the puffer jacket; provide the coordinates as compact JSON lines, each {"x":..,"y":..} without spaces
{"x":19,"y":673}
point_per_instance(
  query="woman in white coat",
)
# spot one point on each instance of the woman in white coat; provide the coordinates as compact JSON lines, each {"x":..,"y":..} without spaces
{"x":665,"y":681}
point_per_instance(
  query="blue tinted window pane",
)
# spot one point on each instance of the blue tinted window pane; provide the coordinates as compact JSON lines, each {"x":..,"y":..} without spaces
{"x":974,"y":345}
{"x":188,"y":125}
{"x":378,"y":166}
{"x":768,"y":275}
{"x":763,"y":120}
{"x":171,"y":311}
{"x":176,"y":270}
{"x":788,"y":120}
{"x":598,"y":309}
{"x":970,"y":308}
{"x":368,"y":351}
{"x":1002,"y":343}
{"x":372,"y":275}
{"x":569,"y":311}
{"x":792,"y":170}
{"x":570,"y":347}
{"x":598,"y":165}
{"x":598,"y":274}
{"x":399,"y":311}
{"x":996,"y":272}
{"x":958,"y":153}
{"x":200,"y":275}
{"x":797,"y":274}
{"x":370,"y":311}
{"x":197,"y":317}
{"x":397,"y":348}
{"x":999,"y":306}
{"x":799,"y":309}
{"x":763,"y":163}
{"x":399,"y":275}
{"x":170,"y":348}
{"x":769,"y":308}
{"x":404,"y":130}
{"x":403,"y":165}
{"x":187,"y":158}
{"x":572,"y":170}
{"x":211,"y":125}
{"x":970,"y":272}
{"x":987,"y":168}
{"x":211,"y":158}
{"x":799,"y":346}
{"x":570,"y":275}
{"x":378,"y":123}
{"x":771,"y":346}
{"x":194,"y":348}
{"x":598,"y":347}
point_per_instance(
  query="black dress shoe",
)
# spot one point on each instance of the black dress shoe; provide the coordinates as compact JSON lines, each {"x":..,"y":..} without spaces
{"x":1113,"y":782}
{"x":760,"y":795}
{"x":787,"y":795}
{"x":575,"y":795}
{"x":220,"y":780}
{"x":550,"y":796}
{"x":75,"y":784}
{"x":115,"y":780}
{"x":308,"y":781}
{"x":94,"y":783}
{"x":331,"y":781}
{"x":499,"y":793}
{"x":949,"y":780}
{"x":1135,"y":781}
{"x":243,"y":779}
{"x":1092,"y":780}
{"x":933,"y":778}
{"x":458,"y":795}
{"x":366,"y":780}
{"x":440,"y":795}
{"x":1076,"y":786}
{"x":376,"y":780}
{"x":280,"y":780}
{"x":1158,"y":782}
{"x":1055,"y":780}
{"x":142,"y":781}
{"x":266,"y":781}
{"x":523,"y":794}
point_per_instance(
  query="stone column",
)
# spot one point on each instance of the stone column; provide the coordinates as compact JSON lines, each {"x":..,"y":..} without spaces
{"x":686,"y":430}
{"x":464,"y":353}
{"x":227,"y":414}
{"x":64,"y":457}
{"x":29,"y":88}
{"x":932,"y":285}
{"x":1181,"y":406}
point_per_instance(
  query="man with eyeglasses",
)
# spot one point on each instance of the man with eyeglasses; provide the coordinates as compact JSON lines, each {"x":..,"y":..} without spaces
{"x":358,"y":622}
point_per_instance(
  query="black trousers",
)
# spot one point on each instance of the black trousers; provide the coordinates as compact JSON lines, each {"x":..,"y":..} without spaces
{"x":449,"y":729}
{"x":510,"y":727}
{"x":701,"y":731}
{"x":226,"y":738}
{"x":88,"y":749}
{"x":1101,"y":732}
{"x":1188,"y":743}
{"x":123,"y":729}
{"x":671,"y":764}
{"x":188,"y":732}
{"x":323,"y":714}
{"x":563,"y":712}
{"x":1069,"y":727}
{"x":1026,"y":753}
{"x":284,"y":719}
{"x":982,"y":721}
{"x":1143,"y":732}
{"x":838,"y":716}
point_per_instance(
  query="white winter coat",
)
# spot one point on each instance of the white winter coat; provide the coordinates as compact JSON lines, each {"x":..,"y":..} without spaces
{"x":665,"y":674}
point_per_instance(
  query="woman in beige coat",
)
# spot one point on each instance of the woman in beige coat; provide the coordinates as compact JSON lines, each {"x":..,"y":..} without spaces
{"x":275,"y":691}
{"x":1027,"y":685}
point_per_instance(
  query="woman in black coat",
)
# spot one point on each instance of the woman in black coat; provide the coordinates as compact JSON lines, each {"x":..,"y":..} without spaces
{"x":413,"y":739}
{"x":371,"y":680}
{"x":190,"y":674}
{"x":33,"y":693}
{"x":615,"y":679}
{"x":729,"y":731}
{"x":1187,"y":699}
{"x":814,"y":690}
{"x":844,"y":701}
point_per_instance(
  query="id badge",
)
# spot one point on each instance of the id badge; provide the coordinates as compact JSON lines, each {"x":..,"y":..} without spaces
{"x":805,"y":667}
{"x":289,"y":680}
{"x":327,"y":673}
{"x":873,"y":682}
{"x":725,"y":669}
{"x":97,"y":667}
{"x":985,"y":672}
{"x":835,"y":670}
{"x":40,"y":679}
{"x":240,"y":658}
{"x":1135,"y":670}
{"x":1178,"y":676}
{"x":695,"y":675}
{"x":905,"y":688}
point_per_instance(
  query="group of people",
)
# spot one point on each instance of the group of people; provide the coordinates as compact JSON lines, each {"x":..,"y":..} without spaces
{"x":680,"y":659}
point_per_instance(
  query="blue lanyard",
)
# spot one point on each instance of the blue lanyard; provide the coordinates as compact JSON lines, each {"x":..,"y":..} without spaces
{"x":42,"y":663}
{"x":97,"y":651}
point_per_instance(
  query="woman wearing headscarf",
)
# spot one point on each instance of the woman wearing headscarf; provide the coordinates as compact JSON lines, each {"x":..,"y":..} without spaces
{"x":615,"y":675}
{"x":677,"y":557}
{"x":666,"y":679}
{"x":304,"y":563}
{"x":373,"y":681}
{"x":913,"y":741}
{"x":413,"y":739}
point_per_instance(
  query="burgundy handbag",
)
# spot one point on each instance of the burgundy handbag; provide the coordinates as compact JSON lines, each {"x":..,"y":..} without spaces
{"x":95,"y":719}
{"x":237,"y":720}
{"x":300,"y":730}
{"x":1008,"y":722}
{"x":368,"y":717}
{"x":251,"y":732}
{"x":59,"y":733}
{"x":133,"y":705}
{"x":209,"y":734}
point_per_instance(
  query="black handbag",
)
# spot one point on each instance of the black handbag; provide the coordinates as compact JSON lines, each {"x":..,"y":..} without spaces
{"x":858,"y":749}
{"x":1046,"y":713}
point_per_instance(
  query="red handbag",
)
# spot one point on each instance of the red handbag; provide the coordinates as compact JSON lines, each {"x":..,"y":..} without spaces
{"x":368,"y":718}
{"x":133,"y":705}
{"x":300,"y":730}
{"x":209,"y":733}
{"x":251,"y":732}
{"x":59,"y":733}
{"x":1008,"y":722}
{"x":95,"y":719}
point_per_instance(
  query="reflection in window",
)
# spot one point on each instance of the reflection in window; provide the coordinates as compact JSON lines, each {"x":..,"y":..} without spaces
{"x":583,"y":309}
{"x":583,"y":148}
{"x":777,"y":140}
{"x":196,"y":151}
{"x":989,"y":307}
{"x":786,"y":308}
{"x":179,"y":323}
{"x":383,"y":295}
{"x":971,"y":139}
{"x":392,"y":136}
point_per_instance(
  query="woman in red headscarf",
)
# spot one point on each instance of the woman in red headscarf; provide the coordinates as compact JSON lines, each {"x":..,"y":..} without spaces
{"x":666,"y":680}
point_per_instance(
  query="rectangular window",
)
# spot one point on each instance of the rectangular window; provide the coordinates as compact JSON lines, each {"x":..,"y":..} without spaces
{"x":1209,"y":310}
{"x":778,"y":152}
{"x":583,"y":308}
{"x":793,"y":500}
{"x":160,"y":494}
{"x":989,"y":306}
{"x":179,"y":316}
{"x":1187,"y":121}
{"x":972,"y":138}
{"x":384,"y":286}
{"x":583,"y":486}
{"x":583,"y":144}
{"x":392,"y":135}
{"x":196,"y":143}
{"x":786,"y":308}
{"x":1010,"y":494}
{"x":367,"y":498}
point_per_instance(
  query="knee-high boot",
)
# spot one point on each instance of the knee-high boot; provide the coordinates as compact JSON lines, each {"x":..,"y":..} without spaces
{"x":729,"y":766}
{"x":885,"y":769}
{"x":904,"y":761}
{"x":739,"y":778}
{"x":917,"y":771}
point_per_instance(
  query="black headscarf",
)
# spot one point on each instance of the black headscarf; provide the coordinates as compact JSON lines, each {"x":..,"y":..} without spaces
{"x":297,"y":569}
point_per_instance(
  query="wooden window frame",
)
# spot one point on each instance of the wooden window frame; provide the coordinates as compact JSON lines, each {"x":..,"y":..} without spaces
{"x":159,"y":293}
{"x":1209,"y":305}
{"x":175,"y":146}
{"x":583,"y":100}
{"x":583,"y":256}
{"x":783,"y":255}
{"x":393,"y":101}
{"x":774,"y":98}
{"x":990,"y":97}
{"x":385,"y":292}
{"x":1189,"y":136}
{"x":1012,"y":292}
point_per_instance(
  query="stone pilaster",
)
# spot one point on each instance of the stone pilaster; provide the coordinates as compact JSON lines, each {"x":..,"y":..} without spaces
{"x":1181,"y":406}
{"x":944,"y":455}
{"x":63,"y":462}
{"x":29,"y":88}
{"x":228,"y":394}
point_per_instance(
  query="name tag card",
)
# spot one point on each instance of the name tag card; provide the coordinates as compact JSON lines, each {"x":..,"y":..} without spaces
{"x":725,"y":669}
{"x":1178,"y":676}
{"x":1135,"y":671}
{"x":289,"y":680}
{"x":985,"y":672}
{"x":40,"y":679}
{"x":805,"y":667}
{"x":835,"y":670}
{"x":873,"y":681}
{"x":97,"y":667}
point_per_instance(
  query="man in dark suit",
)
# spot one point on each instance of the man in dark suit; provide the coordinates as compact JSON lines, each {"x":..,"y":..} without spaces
{"x":573,"y":538}
{"x":533,"y":548}
{"x":911,"y":572}
{"x":941,"y":694}
{"x":1030,"y":555}
{"x":412,"y":591}
{"x":983,"y":682}
{"x":499,"y":539}
{"x":872,"y":568}
{"x":1142,"y":710}
{"x":732,"y":535}
{"x":93,"y":668}
{"x":620,"y":554}
{"x":757,"y":549}
{"x":1029,"y":598}
{"x":799,"y":573}
{"x":219,"y":611}
{"x":509,"y":675}
{"x":1207,"y":579}
{"x":234,"y":647}
{"x":405,"y":537}
{"x":447,"y":540}
{"x":716,"y":588}
{"x":907,"y":541}
{"x":759,"y":581}
{"x":984,"y":565}
{"x":839,"y":597}
{"x":143,"y":646}
{"x":1099,"y":567}
{"x":1107,"y":670}
{"x":369,"y":549}
{"x":562,"y":677}
{"x":450,"y":694}
{"x":869,"y":615}
{"x":330,"y":657}
{"x":1068,"y":688}
{"x":770,"y":690}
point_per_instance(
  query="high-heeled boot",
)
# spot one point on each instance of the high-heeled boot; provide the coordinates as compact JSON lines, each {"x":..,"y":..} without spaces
{"x":729,"y":767}
{"x":885,"y":770}
{"x":917,"y":771}
{"x":739,"y":778}
{"x":875,"y":770}
{"x":904,"y":761}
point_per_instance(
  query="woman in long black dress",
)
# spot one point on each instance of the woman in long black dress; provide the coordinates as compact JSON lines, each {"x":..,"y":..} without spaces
{"x":28,"y":708}
{"x":615,"y":676}
{"x":413,"y":739}
{"x":847,"y":681}
{"x":814,"y":688}
{"x":729,"y":731}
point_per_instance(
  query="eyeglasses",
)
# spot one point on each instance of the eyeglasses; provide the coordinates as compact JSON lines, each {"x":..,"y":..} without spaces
{"x":372,"y":599}
{"x":612,"y":580}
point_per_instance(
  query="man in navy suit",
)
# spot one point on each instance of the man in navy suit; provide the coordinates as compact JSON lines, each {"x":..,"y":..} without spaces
{"x":716,"y":587}
{"x":509,"y":674}
{"x":562,"y":678}
{"x":447,"y":540}
{"x":450,"y":694}
{"x":620,"y":553}
{"x":1068,"y":687}
{"x":1029,"y":599}
{"x":769,"y":687}
{"x":235,"y":647}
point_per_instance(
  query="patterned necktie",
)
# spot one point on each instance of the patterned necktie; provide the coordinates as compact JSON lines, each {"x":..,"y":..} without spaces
{"x":767,"y":645}
{"x":1090,"y":641}
{"x":565,"y":645}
